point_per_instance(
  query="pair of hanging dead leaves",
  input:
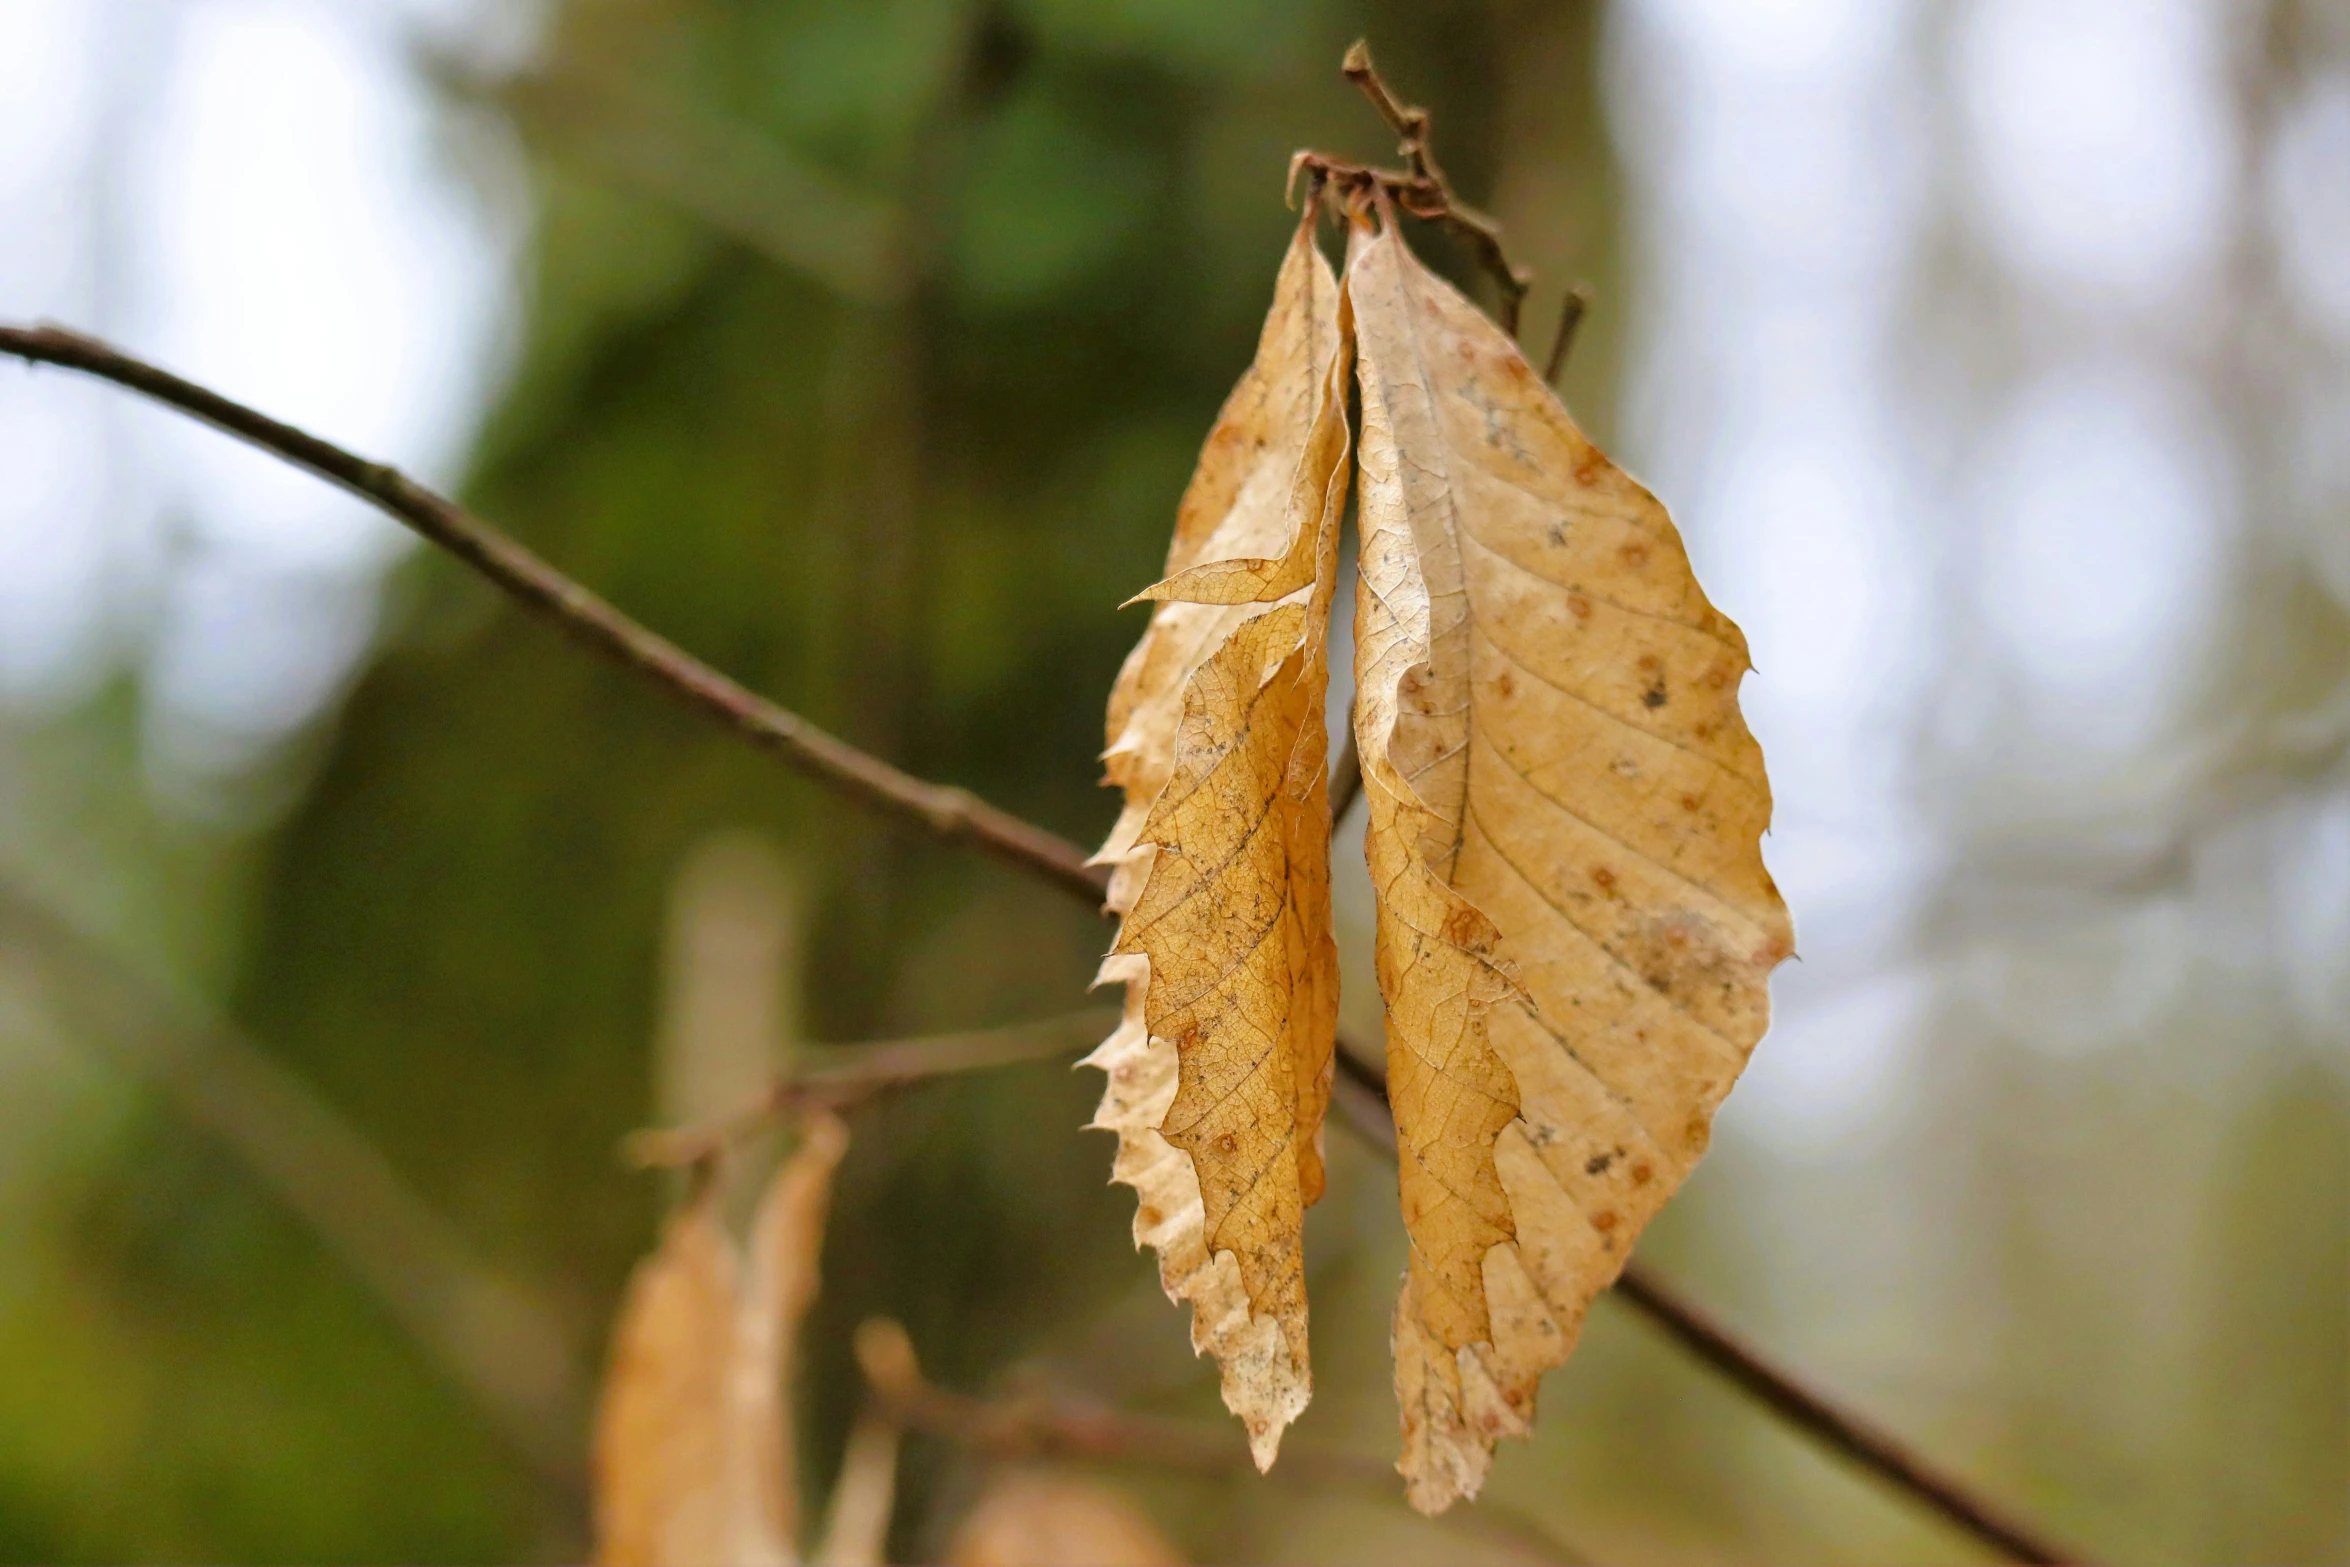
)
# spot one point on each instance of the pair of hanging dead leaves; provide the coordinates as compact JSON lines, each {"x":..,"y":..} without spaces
{"x":1575,"y":931}
{"x":694,"y":1462}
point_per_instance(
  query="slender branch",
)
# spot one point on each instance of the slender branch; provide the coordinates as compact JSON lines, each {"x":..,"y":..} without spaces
{"x":1030,"y":1426}
{"x":953,"y":814}
{"x":1425,"y":192}
{"x":1839,"y":1429}
{"x":950,"y":813}
{"x":862,"y":1071}
{"x":1360,"y":1093}
{"x":1571,"y":313}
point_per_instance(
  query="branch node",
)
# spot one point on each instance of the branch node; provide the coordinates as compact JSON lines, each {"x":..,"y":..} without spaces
{"x":949,"y":811}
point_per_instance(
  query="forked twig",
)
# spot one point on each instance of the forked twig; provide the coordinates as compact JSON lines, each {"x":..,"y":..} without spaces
{"x":951,"y":814}
{"x":1421,"y":187}
{"x":859,"y":1072}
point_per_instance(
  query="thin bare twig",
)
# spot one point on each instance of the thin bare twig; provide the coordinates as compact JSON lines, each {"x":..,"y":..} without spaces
{"x":1571,"y":313}
{"x":1033,"y":1426}
{"x":1836,"y":1428}
{"x":1423,"y":190}
{"x":1360,"y":1094}
{"x":858,"y":1072}
{"x":952,"y":814}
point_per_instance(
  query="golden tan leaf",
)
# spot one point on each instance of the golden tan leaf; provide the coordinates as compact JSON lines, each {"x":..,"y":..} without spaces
{"x":1220,"y":1071}
{"x":693,"y":1454}
{"x":1036,"y":1518}
{"x":786,"y":1247}
{"x":1576,"y":931}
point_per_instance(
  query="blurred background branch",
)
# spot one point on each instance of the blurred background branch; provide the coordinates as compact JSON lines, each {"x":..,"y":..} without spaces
{"x":515,"y":1354}
{"x":740,"y":184}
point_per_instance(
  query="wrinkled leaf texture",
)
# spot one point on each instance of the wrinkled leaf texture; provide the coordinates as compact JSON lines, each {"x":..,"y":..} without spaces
{"x":1220,"y":1068}
{"x":1575,"y":928}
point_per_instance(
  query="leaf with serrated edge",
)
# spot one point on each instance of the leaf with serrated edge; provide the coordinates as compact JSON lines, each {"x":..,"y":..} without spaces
{"x":1575,"y":929}
{"x":693,"y":1449}
{"x":1220,"y":1070}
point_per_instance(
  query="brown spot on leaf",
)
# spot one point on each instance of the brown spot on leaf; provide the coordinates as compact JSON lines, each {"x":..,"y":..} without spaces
{"x":1423,"y":860}
{"x":1464,"y":926}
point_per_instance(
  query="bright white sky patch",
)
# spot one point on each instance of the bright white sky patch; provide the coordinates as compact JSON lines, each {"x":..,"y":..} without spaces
{"x":251,"y":192}
{"x":2101,"y":519}
{"x":2102,"y":143}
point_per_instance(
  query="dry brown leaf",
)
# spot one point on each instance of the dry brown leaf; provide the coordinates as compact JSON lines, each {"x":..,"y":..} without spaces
{"x":1575,"y":930}
{"x":1220,"y":1071}
{"x":1037,"y":1518}
{"x":693,"y":1454}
